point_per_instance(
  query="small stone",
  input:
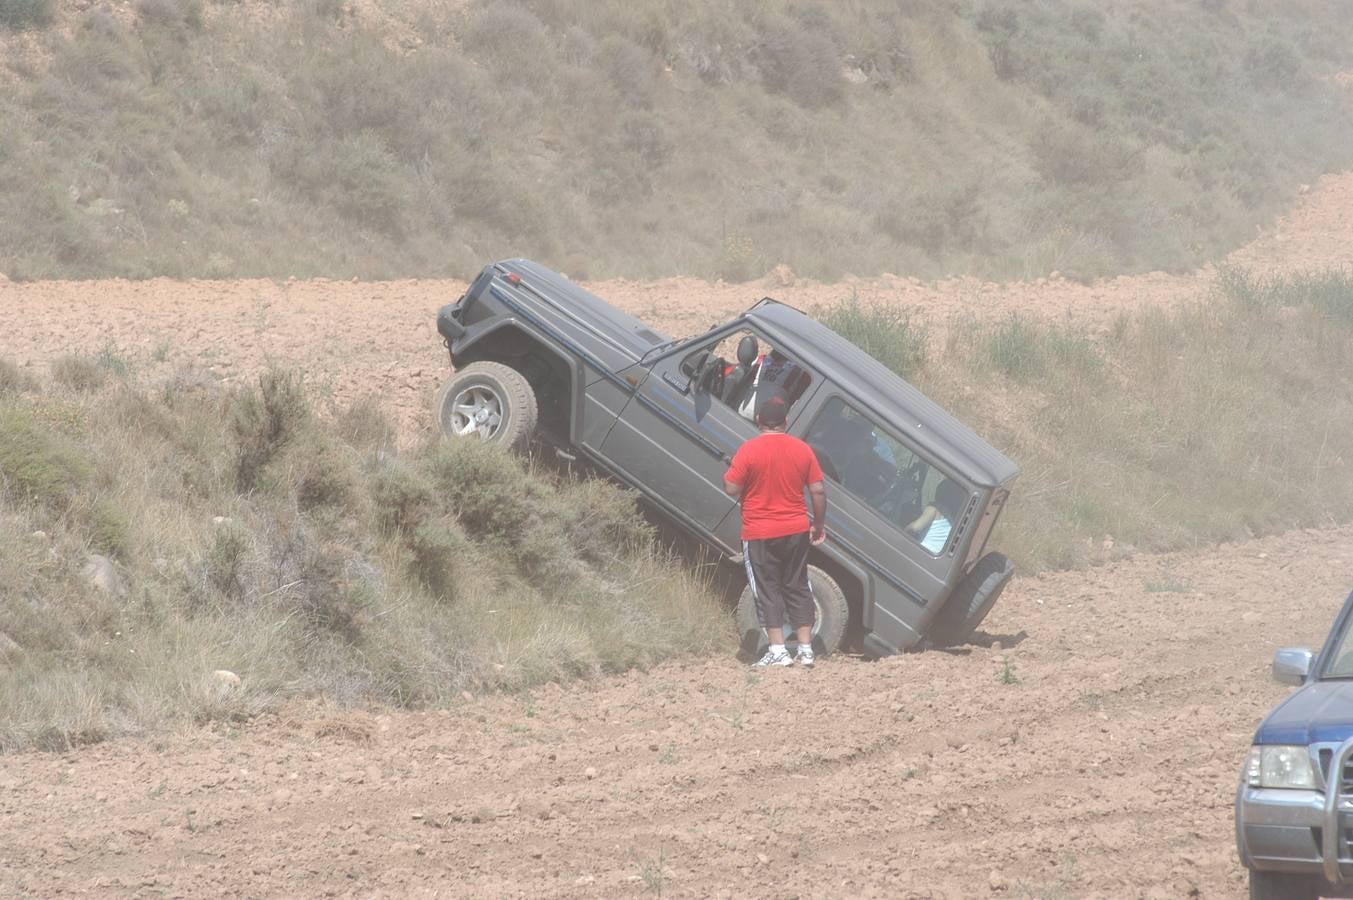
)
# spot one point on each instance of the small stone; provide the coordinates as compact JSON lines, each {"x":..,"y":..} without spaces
{"x":8,"y":645}
{"x":653,"y":747}
{"x":590,"y":772}
{"x":763,"y":859}
{"x":219,"y":520}
{"x":584,"y":880}
{"x":225,"y":683}
{"x":40,"y":536}
{"x":279,"y":797}
{"x":415,"y":816}
{"x":101,"y":572}
{"x":997,"y":880}
{"x":467,"y":696}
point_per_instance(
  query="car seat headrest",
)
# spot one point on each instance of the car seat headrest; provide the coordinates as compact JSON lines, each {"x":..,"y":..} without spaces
{"x":748,"y":350}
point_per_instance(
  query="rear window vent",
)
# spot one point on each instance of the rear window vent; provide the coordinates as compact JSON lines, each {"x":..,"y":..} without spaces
{"x":649,"y":336}
{"x":962,"y":525}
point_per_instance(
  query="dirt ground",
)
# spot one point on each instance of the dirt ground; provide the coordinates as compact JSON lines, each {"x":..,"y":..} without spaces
{"x":1088,"y":745}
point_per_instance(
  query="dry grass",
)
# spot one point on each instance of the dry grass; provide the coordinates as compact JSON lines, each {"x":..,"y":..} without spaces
{"x":1216,"y":421}
{"x":1002,"y":137}
{"x":331,"y":568}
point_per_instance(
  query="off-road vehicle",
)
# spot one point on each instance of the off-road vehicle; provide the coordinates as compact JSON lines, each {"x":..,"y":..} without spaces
{"x":1294,"y":805}
{"x":537,"y":356}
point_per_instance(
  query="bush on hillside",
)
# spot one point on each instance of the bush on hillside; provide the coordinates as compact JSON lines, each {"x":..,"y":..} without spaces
{"x":332,"y":570}
{"x":1000,"y":137}
{"x":22,"y":14}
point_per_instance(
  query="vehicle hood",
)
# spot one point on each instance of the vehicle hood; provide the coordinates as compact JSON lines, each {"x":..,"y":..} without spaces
{"x":586,"y":317}
{"x":1321,"y":711}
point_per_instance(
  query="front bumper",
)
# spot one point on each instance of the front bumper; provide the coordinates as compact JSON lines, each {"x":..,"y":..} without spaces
{"x":1305,"y":832}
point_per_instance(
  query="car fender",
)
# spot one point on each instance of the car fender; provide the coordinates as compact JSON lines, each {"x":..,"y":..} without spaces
{"x":476,"y":335}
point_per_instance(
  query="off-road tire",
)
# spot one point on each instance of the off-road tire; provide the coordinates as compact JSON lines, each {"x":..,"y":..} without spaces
{"x":512,"y":392}
{"x":970,"y":602}
{"x":833,"y":614}
{"x":1283,"y":886}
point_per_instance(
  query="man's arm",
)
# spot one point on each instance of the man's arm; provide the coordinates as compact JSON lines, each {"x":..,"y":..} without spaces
{"x":732,"y":488}
{"x":817,"y":493}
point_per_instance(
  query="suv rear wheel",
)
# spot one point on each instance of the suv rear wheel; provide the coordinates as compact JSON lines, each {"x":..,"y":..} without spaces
{"x":490,"y":401}
{"x":970,"y":602}
{"x":829,"y":624}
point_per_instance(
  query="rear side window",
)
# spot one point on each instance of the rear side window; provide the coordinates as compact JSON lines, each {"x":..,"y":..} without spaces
{"x":882,"y":472}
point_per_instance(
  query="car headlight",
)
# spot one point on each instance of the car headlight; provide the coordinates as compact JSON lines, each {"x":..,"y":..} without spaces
{"x":1280,"y":766}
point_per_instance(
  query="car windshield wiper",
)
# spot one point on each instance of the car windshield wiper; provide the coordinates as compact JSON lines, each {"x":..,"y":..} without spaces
{"x":657,"y":347}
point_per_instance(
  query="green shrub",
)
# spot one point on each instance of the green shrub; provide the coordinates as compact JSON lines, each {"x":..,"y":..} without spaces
{"x":37,"y":463}
{"x":265,"y":420}
{"x":227,"y":554}
{"x":403,"y":497}
{"x":108,"y":528}
{"x":322,"y":577}
{"x":892,"y":335}
{"x":438,"y":550}
{"x":22,"y":14}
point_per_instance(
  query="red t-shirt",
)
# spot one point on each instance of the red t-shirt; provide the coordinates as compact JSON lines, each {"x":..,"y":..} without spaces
{"x":773,"y":469}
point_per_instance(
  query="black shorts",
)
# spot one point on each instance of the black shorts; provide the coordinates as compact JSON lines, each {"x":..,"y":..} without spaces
{"x":777,"y":570}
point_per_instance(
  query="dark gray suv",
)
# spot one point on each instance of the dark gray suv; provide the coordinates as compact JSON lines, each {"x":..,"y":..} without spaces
{"x":537,"y":356}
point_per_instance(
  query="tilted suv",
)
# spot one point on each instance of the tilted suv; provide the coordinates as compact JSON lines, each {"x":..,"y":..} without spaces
{"x":1294,"y":806}
{"x":536,"y":355}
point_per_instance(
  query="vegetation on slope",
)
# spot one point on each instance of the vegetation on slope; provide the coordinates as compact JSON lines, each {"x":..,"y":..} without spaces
{"x":643,"y":138}
{"x":1216,"y":421}
{"x":152,"y":534}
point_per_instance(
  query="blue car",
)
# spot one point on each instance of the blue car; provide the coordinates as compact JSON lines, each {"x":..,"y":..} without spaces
{"x":1294,"y":823}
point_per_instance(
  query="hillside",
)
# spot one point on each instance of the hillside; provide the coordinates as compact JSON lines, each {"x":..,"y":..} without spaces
{"x":1009,"y":139}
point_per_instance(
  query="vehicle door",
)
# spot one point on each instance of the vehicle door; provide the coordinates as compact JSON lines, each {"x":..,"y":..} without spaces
{"x":678,"y":432}
{"x":877,"y":486}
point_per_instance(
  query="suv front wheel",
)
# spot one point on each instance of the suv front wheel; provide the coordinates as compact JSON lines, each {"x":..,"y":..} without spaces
{"x":970,"y":602}
{"x":490,"y":401}
{"x":829,"y":623}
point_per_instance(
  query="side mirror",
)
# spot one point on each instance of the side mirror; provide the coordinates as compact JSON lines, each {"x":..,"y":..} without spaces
{"x":1292,"y":665}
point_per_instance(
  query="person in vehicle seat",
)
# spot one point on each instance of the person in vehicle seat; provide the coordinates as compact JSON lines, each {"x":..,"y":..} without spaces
{"x":775,"y":370}
{"x":768,"y":475}
{"x":933,"y":526}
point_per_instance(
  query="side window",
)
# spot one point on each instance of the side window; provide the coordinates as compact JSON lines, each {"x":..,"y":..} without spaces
{"x":736,"y":367}
{"x":865,"y":460}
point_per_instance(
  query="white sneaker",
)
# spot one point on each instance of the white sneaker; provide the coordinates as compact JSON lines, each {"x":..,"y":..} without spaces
{"x":773,"y":658}
{"x":804,"y":657}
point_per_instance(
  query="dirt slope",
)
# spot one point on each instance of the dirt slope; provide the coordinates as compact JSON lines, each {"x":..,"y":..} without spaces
{"x":1105,"y":769}
{"x":378,"y":338}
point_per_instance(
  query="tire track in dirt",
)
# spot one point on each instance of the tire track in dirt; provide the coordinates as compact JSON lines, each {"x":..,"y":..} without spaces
{"x":1089,"y":749}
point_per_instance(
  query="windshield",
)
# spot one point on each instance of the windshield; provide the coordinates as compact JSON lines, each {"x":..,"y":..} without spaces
{"x":1341,"y":661}
{"x":866,"y":460}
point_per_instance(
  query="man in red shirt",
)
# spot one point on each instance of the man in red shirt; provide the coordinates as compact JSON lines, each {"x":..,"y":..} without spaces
{"x":769,"y":474}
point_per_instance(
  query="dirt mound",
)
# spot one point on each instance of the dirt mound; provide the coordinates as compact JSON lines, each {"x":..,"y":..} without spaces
{"x":1088,"y":747}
